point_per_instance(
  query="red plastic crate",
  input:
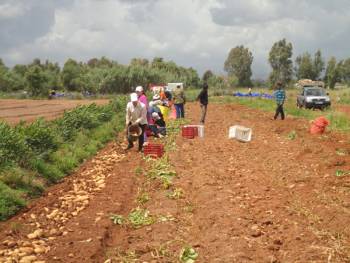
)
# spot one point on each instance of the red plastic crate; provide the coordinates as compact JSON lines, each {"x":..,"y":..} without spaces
{"x":195,"y":129}
{"x":189,"y":132}
{"x":154,"y":150}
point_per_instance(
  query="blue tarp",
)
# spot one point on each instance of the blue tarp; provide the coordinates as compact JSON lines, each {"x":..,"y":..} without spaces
{"x":261,"y":95}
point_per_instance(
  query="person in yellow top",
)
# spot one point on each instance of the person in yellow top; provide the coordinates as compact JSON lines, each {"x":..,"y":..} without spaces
{"x":179,"y":100}
{"x":136,"y":115}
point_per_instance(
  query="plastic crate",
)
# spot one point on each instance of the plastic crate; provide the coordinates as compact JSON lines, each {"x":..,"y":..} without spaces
{"x":199,"y":130}
{"x":154,"y":150}
{"x":189,"y":132}
{"x":240,"y":133}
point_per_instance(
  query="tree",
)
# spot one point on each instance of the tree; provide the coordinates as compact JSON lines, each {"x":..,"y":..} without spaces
{"x":333,"y":72}
{"x":37,"y":81}
{"x":207,"y":75}
{"x":71,"y":75}
{"x":20,"y":69}
{"x":36,"y":62}
{"x":139,"y":62}
{"x":280,"y":58}
{"x":238,"y":63}
{"x":307,"y":67}
{"x":157,"y":62}
{"x":2,"y":64}
{"x":218,"y":84}
{"x":304,"y":67}
{"x":10,"y":80}
{"x":318,"y":65}
{"x":3,"y":76}
{"x":345,"y":71}
{"x":192,"y":78}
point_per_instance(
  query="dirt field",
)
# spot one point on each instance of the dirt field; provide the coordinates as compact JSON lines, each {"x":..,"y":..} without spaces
{"x":275,"y":199}
{"x":13,"y":111}
{"x":344,"y":109}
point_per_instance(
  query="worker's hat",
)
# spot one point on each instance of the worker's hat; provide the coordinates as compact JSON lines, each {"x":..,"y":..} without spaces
{"x":139,"y":89}
{"x":133,"y":97}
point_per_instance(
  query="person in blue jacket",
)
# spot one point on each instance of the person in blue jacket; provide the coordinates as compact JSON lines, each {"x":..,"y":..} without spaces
{"x":280,"y":97}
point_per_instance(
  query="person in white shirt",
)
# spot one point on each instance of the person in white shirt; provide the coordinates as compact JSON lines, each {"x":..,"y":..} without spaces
{"x":136,"y":114}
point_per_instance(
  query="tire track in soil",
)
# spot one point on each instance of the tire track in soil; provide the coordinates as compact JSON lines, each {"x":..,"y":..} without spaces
{"x":270,"y":200}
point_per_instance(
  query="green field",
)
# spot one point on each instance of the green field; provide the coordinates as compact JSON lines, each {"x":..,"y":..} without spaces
{"x":340,"y":121}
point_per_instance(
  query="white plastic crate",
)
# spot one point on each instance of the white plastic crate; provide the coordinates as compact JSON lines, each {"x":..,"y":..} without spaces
{"x":200,"y":129}
{"x":240,"y":133}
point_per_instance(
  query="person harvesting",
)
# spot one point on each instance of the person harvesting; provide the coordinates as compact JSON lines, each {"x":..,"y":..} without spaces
{"x":136,"y":116}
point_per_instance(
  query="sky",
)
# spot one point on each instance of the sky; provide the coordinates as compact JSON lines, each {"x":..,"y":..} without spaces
{"x":192,"y":33}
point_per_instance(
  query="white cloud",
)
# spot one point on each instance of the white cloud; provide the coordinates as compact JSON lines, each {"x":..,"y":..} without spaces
{"x":8,"y":10}
{"x":196,"y":33}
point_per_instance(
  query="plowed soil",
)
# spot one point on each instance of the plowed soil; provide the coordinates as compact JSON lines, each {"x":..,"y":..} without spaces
{"x":14,"y":111}
{"x":274,"y":199}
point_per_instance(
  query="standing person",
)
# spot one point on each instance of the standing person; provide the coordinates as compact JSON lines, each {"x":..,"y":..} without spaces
{"x":203,"y":101}
{"x":280,"y":97}
{"x":141,"y":95}
{"x":179,"y":101}
{"x":136,"y":114}
{"x":143,"y":99}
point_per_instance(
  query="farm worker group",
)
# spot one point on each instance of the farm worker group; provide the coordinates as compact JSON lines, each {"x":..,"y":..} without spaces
{"x":144,"y":116}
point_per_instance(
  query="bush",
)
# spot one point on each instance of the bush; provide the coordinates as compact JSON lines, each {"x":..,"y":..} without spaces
{"x":19,"y":179}
{"x":12,"y":146}
{"x":89,"y":129}
{"x":83,"y":117}
{"x":49,"y":171}
{"x":120,"y":103}
{"x":10,"y":201}
{"x":75,"y":120}
{"x":39,"y":136}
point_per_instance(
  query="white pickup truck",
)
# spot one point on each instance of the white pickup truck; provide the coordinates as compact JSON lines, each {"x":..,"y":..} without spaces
{"x":313,"y":98}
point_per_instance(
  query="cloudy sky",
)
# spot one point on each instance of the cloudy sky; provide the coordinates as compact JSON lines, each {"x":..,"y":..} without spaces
{"x":197,"y":33}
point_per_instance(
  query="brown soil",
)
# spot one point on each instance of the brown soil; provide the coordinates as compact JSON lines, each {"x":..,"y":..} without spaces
{"x":274,"y":199}
{"x":344,"y":108}
{"x":14,"y":111}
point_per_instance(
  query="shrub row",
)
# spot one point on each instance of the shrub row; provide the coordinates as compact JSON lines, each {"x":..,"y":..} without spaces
{"x":35,"y":155}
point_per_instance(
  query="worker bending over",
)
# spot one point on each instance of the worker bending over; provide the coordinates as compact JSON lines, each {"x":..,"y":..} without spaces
{"x":136,"y":115}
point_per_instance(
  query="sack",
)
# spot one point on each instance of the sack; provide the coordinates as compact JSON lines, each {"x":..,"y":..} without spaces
{"x":319,"y":125}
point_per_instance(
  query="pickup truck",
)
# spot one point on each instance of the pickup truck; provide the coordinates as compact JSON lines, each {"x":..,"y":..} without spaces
{"x":313,"y":98}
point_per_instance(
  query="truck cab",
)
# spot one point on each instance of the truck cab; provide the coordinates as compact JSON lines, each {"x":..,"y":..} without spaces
{"x":313,"y":97}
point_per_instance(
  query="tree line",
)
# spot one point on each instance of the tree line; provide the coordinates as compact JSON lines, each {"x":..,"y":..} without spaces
{"x":95,"y":76}
{"x":103,"y":76}
{"x":239,"y":61}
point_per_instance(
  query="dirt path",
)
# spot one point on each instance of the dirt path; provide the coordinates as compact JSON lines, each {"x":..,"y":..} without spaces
{"x":275,"y":199}
{"x":14,"y":111}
